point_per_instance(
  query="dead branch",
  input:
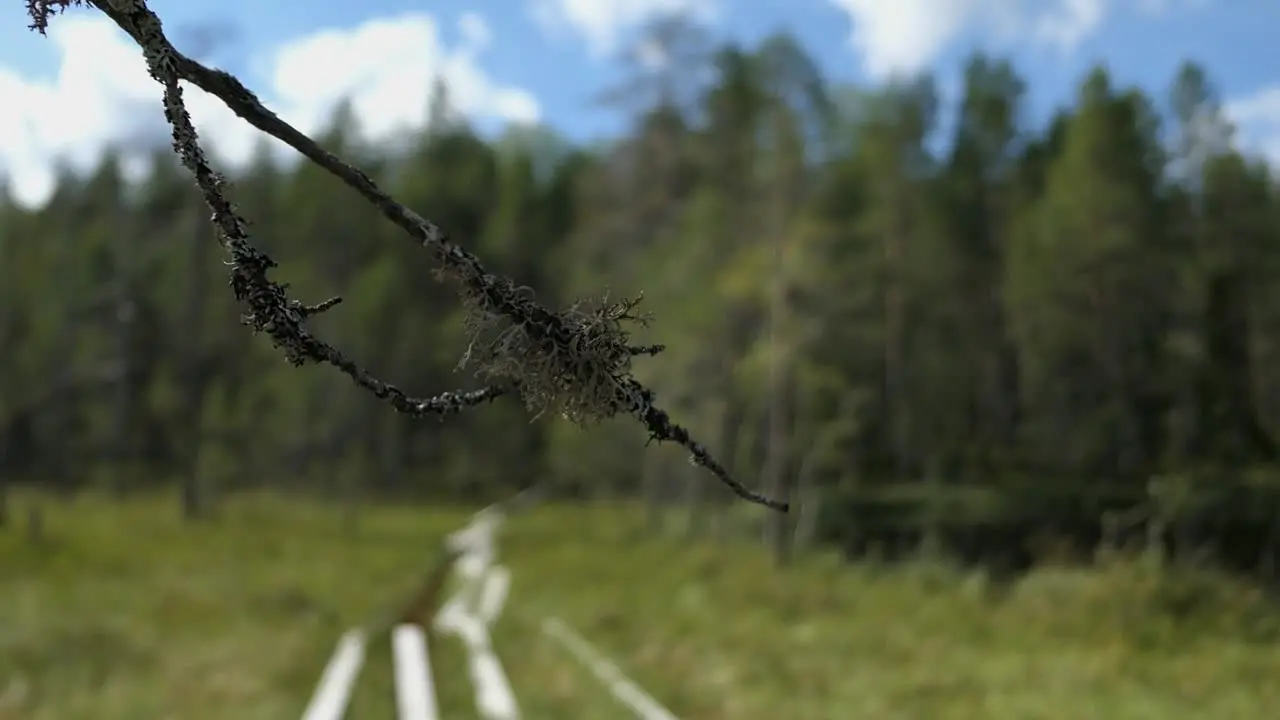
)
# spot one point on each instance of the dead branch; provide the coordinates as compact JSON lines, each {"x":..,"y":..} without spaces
{"x":576,"y":362}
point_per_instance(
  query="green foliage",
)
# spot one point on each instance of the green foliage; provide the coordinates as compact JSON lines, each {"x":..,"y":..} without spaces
{"x":1053,"y":319}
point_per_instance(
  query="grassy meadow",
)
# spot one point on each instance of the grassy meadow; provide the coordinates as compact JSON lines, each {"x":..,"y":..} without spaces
{"x":124,"y":612}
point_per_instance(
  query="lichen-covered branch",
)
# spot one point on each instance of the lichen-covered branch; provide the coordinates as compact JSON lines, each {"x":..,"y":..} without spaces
{"x":576,"y":362}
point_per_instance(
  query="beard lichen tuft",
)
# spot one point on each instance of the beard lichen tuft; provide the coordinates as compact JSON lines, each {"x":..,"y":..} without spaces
{"x":573,"y":363}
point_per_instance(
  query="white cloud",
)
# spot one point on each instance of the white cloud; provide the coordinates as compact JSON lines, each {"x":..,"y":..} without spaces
{"x":652,"y":55}
{"x":603,"y":23}
{"x":905,"y":36}
{"x":1257,"y":119}
{"x":102,"y":94}
{"x":475,"y":31}
{"x":1065,"y":25}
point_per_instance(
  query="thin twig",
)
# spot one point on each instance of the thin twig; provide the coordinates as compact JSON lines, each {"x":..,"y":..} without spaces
{"x":577,"y":362}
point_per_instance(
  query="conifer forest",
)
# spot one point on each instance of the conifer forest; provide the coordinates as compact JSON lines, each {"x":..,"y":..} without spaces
{"x":994,"y":338}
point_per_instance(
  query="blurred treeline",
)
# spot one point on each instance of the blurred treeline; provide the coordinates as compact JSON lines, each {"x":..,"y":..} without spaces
{"x":994,"y":339}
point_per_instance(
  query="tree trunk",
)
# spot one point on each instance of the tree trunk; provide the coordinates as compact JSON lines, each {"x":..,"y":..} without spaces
{"x":193,"y":388}
{"x":777,"y":524}
{"x":124,"y":327}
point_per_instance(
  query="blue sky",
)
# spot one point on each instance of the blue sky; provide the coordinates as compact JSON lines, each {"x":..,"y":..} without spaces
{"x":544,"y":59}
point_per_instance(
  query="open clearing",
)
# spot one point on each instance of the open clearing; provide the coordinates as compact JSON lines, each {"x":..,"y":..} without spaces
{"x":126,"y":613}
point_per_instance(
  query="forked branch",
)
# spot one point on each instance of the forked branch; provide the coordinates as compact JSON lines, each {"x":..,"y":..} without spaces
{"x":576,"y":362}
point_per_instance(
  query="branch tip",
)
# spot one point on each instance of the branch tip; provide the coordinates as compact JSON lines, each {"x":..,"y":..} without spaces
{"x":311,"y":310}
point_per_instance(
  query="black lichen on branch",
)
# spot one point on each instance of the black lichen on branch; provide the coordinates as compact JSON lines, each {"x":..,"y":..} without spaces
{"x":576,"y":362}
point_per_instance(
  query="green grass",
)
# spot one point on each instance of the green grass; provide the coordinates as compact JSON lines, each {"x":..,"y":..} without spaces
{"x":125,"y":612}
